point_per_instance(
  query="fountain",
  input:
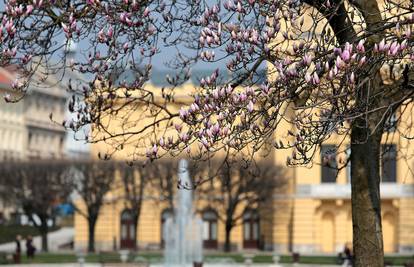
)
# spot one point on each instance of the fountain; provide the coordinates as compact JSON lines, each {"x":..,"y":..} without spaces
{"x":183,"y":231}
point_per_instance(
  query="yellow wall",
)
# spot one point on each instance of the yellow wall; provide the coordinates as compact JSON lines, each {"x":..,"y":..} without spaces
{"x":307,"y":216}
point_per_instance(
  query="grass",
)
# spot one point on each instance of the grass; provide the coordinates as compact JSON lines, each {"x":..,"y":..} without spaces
{"x":8,"y":233}
{"x":112,"y":257}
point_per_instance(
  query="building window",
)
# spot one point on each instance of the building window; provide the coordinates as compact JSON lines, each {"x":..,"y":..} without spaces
{"x":328,"y":164}
{"x":210,"y":229}
{"x":389,"y":164}
{"x":251,"y":229}
{"x":127,"y":230}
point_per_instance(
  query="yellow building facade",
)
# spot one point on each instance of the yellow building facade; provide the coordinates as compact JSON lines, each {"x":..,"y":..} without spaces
{"x":311,"y":215}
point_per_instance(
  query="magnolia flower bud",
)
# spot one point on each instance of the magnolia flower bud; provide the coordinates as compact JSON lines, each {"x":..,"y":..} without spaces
{"x":65,"y":28}
{"x":101,"y":35}
{"x":146,"y":12}
{"x":229,"y":89}
{"x":315,"y":79}
{"x":29,"y":9}
{"x":339,"y":63}
{"x":348,"y":47}
{"x":353,"y":58}
{"x":331,"y":75}
{"x":178,"y":127}
{"x":222,"y":92}
{"x":184,"y":137}
{"x":194,"y":107}
{"x":170,"y":140}
{"x":352,"y":78}
{"x":110,"y":32}
{"x":204,"y":142}
{"x":250,"y":106}
{"x":362,"y":61}
{"x":154,"y":149}
{"x":215,"y":94}
{"x":394,"y":48}
{"x":327,"y":66}
{"x":360,"y":46}
{"x":381,"y":46}
{"x":242,"y":97}
{"x":225,"y":131}
{"x":345,"y":55}
{"x":239,"y":7}
{"x":308,"y":77}
{"x":307,"y":59}
{"x":183,"y":113}
{"x":7,"y":98}
{"x":215,"y":128}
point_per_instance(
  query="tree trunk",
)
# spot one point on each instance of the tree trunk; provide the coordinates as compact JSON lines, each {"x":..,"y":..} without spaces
{"x":366,"y":202}
{"x":91,"y":233}
{"x":227,"y":241}
{"x":43,"y":233}
{"x":136,"y":221}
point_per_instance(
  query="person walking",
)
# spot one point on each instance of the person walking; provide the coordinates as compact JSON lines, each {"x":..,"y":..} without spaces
{"x":30,"y":248}
{"x":347,"y":256}
{"x":17,"y":254}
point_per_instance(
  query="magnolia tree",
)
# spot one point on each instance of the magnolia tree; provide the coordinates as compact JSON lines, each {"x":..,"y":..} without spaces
{"x":334,"y":68}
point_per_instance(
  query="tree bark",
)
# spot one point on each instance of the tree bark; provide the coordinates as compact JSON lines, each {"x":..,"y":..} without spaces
{"x":43,"y":233}
{"x":91,"y":234}
{"x":366,"y":201}
{"x":136,"y":221}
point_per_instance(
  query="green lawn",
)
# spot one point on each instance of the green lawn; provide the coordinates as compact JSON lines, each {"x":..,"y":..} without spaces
{"x":211,"y":257}
{"x":8,"y":232}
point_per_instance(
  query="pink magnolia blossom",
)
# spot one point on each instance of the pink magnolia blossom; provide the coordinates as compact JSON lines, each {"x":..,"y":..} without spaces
{"x":250,"y":106}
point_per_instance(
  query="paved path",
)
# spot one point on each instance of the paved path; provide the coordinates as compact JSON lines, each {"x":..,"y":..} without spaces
{"x":55,"y":240}
{"x":55,"y":265}
{"x":160,"y":265}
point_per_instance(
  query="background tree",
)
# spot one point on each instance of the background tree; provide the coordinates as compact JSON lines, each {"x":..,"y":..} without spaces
{"x":134,"y":181}
{"x":335,"y":68}
{"x":92,"y":181}
{"x":240,"y":187}
{"x":164,"y":181}
{"x":37,"y":187}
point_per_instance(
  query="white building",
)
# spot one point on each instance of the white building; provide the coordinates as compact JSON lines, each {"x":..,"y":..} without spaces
{"x":26,"y":128}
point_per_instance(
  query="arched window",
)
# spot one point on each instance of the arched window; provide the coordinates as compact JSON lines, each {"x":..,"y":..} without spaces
{"x":251,"y":229}
{"x":165,"y":215}
{"x":127,"y":230}
{"x":209,"y":229}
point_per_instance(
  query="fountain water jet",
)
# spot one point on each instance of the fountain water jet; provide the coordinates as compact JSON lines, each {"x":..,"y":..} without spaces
{"x":183,"y":231}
